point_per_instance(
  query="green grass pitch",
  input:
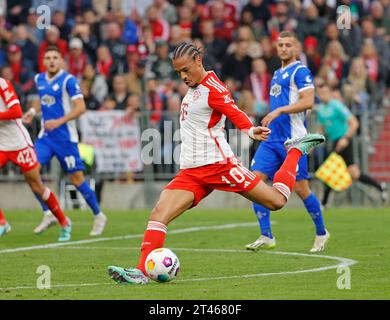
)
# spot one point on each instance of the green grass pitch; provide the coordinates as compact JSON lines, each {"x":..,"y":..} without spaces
{"x":209,"y":244}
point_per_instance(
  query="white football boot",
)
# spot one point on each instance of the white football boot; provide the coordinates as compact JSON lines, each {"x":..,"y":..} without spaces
{"x":262,"y":242}
{"x":48,"y":221}
{"x":320,"y":241}
{"x":99,"y":223}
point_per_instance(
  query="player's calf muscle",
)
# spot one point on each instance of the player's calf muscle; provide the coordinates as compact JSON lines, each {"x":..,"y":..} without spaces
{"x":266,"y":196}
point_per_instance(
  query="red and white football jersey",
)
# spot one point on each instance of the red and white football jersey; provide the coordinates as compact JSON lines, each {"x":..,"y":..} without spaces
{"x":13,"y":135}
{"x":202,"y":120}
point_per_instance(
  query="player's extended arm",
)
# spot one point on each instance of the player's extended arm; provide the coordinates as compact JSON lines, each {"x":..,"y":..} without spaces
{"x":78,"y":110}
{"x":15,"y":112}
{"x":305,"y":102}
{"x":238,"y":117}
{"x":30,"y":114}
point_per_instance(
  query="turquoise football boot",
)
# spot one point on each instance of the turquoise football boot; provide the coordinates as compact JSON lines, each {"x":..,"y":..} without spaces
{"x":306,"y":143}
{"x":4,"y":229}
{"x":127,"y":276}
{"x":65,"y":233}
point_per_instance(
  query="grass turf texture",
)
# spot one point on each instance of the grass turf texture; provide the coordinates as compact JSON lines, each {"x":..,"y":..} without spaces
{"x":358,"y":234}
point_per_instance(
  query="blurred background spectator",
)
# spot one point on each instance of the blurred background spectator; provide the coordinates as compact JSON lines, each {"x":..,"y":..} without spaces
{"x":120,"y":50}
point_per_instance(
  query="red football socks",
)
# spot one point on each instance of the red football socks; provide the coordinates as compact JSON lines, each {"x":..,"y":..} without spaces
{"x":154,"y":238}
{"x":284,"y":178}
{"x":2,"y":218}
{"x":51,"y":201}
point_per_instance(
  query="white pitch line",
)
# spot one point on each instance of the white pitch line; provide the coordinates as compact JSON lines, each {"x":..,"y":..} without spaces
{"x":344,"y":262}
{"x":130,"y":236}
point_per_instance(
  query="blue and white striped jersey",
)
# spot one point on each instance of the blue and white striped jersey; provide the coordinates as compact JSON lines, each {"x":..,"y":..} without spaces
{"x":286,"y":85}
{"x":56,"y":96}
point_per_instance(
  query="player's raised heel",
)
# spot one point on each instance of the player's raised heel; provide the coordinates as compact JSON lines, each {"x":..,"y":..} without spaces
{"x":4,"y":229}
{"x":127,"y":276}
{"x":47,"y":222}
{"x":306,"y":143}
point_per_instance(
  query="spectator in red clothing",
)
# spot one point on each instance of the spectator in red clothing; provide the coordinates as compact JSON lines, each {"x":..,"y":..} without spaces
{"x":132,"y":57}
{"x":104,"y":61}
{"x":159,"y":26}
{"x":77,"y":58}
{"x":229,"y":10}
{"x":185,"y":20}
{"x":21,"y":68}
{"x":313,"y":57}
{"x":224,"y":27}
{"x":336,"y":58}
{"x":52,"y":38}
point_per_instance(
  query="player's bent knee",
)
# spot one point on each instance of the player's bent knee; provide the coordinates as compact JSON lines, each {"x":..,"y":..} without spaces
{"x":159,"y":214}
{"x":76,"y":178}
{"x":278,"y":203}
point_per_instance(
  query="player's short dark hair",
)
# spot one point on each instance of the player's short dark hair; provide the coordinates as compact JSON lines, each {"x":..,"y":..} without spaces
{"x":288,"y":34}
{"x":186,"y":48}
{"x":52,"y":48}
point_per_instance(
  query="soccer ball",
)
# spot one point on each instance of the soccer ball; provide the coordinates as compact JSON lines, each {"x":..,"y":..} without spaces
{"x":162,"y":265}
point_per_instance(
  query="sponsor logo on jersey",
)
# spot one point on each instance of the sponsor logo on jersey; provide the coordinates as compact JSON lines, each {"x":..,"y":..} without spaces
{"x":275,"y":90}
{"x":196,"y":95}
{"x":228,"y":98}
{"x":48,"y":100}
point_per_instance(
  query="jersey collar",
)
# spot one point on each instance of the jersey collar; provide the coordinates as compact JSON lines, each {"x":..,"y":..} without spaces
{"x":290,"y":65}
{"x":55,"y":77}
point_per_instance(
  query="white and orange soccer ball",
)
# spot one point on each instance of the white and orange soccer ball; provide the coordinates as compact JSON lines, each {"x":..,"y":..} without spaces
{"x":162,"y":265}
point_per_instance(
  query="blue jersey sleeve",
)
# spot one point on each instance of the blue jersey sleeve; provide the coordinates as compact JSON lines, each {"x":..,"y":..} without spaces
{"x":73,"y":88}
{"x":303,"y":79}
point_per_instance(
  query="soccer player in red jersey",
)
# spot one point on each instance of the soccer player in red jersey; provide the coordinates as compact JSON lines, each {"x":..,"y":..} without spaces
{"x":16,"y":146}
{"x":207,"y":161}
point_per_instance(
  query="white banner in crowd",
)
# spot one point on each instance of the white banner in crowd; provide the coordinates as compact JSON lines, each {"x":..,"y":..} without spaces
{"x":115,"y":138}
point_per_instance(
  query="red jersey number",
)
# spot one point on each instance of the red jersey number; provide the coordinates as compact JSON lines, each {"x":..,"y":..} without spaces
{"x":183,"y":111}
{"x":26,"y":156}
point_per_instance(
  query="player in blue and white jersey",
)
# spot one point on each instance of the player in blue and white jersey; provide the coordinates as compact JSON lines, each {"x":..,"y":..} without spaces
{"x":291,"y":95}
{"x":61,"y":103}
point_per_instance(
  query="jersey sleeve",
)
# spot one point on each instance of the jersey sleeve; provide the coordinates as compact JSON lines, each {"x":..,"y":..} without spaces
{"x":303,"y":79}
{"x":11,"y":101}
{"x":224,"y":103}
{"x":8,"y":94}
{"x":73,"y":88}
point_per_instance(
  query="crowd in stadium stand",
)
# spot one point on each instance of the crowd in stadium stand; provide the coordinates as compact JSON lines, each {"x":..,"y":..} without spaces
{"x":112,"y":45}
